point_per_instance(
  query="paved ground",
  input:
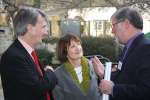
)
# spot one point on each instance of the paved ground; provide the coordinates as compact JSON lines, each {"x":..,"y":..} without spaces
{"x":1,"y":91}
{"x":1,"y":95}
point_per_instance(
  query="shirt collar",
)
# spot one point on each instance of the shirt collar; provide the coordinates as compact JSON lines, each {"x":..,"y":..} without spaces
{"x":26,"y":46}
{"x":132,"y":39}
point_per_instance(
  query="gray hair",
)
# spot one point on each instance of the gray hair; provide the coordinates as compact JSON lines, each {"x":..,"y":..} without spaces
{"x":25,"y":16}
{"x":131,"y":14}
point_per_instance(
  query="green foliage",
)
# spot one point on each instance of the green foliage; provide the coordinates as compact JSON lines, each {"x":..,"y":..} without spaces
{"x":147,"y":35}
{"x":45,"y":56}
{"x":51,"y":40}
{"x":37,"y":3}
{"x":103,"y":45}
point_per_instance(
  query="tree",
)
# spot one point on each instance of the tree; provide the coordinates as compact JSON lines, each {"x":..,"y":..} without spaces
{"x":143,"y":5}
{"x":56,"y":5}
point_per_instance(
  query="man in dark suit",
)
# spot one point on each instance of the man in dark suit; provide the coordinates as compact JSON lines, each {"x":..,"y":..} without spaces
{"x":22,"y":76}
{"x":131,"y":81}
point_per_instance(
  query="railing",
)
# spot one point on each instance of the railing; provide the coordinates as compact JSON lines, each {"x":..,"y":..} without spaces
{"x":101,"y":58}
{"x":104,"y":60}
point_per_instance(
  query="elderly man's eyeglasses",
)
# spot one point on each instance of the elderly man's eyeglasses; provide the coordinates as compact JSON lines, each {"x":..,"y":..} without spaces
{"x":119,"y":21}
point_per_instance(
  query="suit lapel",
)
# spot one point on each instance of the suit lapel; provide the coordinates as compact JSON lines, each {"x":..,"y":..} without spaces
{"x":23,"y":50}
{"x":26,"y":55}
{"x":131,"y":49}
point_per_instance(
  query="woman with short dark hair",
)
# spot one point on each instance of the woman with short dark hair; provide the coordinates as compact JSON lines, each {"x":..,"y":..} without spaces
{"x":76,"y":77}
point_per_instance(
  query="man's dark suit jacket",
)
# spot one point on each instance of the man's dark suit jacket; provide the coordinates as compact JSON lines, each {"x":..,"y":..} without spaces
{"x":132,"y":82}
{"x":20,"y":78}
